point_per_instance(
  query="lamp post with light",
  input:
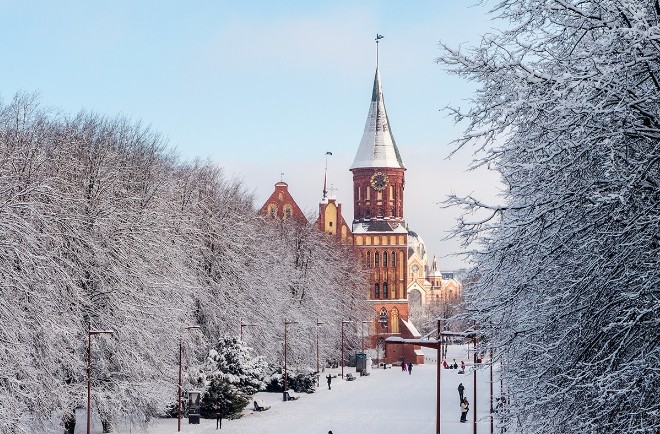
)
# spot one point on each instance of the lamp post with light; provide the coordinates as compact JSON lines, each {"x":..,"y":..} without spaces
{"x":318,"y":372}
{"x":342,"y":345}
{"x":362,"y":331}
{"x":286,"y":386}
{"x":90,"y":333}
{"x":245,"y":325}
{"x":180,"y":386}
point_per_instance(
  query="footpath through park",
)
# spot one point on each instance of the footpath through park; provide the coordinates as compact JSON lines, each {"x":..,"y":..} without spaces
{"x":387,"y":401}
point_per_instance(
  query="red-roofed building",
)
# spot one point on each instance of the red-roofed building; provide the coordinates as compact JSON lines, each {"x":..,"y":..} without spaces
{"x":281,"y":206}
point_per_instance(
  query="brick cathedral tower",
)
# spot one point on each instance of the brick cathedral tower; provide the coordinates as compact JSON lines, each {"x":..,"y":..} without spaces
{"x":379,"y":229}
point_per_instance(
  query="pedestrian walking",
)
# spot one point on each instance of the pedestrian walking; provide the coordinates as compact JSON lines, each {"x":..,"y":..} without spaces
{"x":403,"y":366}
{"x":409,"y":368}
{"x":461,"y":389}
{"x":329,"y":378}
{"x":218,"y":416}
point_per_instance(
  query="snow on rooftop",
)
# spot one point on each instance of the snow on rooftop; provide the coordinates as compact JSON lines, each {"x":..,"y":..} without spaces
{"x":377,"y":147}
{"x":412,"y":328}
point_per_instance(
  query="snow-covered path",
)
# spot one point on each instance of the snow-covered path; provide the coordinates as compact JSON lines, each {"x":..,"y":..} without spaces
{"x":387,"y":401}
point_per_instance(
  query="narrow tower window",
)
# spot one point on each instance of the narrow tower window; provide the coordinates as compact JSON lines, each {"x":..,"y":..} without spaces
{"x":385,"y":290}
{"x":395,"y":321}
{"x":377,"y":291}
{"x":376,"y":259}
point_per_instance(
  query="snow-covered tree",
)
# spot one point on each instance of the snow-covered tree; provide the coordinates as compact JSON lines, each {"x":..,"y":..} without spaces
{"x":229,"y":376}
{"x":102,"y":227}
{"x":568,"y":112}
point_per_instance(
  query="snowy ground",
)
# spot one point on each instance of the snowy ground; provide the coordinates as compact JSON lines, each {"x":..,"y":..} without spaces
{"x":387,"y":401}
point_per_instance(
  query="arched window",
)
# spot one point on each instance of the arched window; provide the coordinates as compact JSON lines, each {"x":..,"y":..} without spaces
{"x":415,"y":271}
{"x":368,"y":259}
{"x":377,"y":292}
{"x":384,"y":259}
{"x":376,"y":257}
{"x":382,"y":317}
{"x":385,"y":295}
{"x":393,"y":256}
{"x":394,"y":324}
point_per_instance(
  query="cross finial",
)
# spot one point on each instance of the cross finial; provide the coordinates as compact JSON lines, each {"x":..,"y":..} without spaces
{"x":332,"y":189}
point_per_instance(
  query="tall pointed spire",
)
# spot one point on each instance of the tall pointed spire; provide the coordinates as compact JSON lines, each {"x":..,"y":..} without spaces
{"x":325,"y":176}
{"x":377,"y":147}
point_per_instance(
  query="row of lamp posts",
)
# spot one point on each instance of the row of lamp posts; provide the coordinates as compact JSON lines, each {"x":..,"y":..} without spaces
{"x":91,"y":333}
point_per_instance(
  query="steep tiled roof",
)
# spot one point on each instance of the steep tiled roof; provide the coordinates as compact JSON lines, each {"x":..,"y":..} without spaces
{"x":377,"y":147}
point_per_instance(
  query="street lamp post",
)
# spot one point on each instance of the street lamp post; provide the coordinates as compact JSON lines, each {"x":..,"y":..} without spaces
{"x":342,"y":345}
{"x":438,"y":371}
{"x":491,"y":391}
{"x":318,"y":372}
{"x":91,"y":332}
{"x":362,"y":331}
{"x":286,"y":385}
{"x":180,"y":385}
{"x":474,"y":383}
{"x":245,"y":325}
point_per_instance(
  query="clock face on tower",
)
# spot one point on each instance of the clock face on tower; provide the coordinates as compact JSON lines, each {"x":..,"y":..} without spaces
{"x":379,"y":181}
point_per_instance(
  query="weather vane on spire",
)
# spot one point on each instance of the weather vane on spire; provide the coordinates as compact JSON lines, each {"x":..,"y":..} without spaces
{"x":378,"y":38}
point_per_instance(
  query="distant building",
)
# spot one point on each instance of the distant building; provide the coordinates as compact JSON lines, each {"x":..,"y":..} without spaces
{"x":400,"y":275}
{"x":281,"y":205}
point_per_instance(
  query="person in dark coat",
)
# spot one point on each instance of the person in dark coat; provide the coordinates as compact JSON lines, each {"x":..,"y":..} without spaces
{"x":218,"y":416}
{"x":409,"y":368}
{"x":461,"y":388}
{"x":329,"y":378}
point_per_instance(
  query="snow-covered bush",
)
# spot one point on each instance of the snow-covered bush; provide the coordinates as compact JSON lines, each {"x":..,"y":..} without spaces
{"x":301,"y":381}
{"x":229,"y":376}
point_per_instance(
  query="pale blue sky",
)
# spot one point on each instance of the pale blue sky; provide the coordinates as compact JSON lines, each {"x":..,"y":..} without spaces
{"x":258,"y":85}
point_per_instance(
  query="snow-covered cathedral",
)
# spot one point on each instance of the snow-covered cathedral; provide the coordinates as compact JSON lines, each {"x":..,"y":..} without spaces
{"x":402,"y":281}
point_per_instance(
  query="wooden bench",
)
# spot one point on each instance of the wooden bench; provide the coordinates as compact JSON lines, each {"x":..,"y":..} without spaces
{"x":260,"y":406}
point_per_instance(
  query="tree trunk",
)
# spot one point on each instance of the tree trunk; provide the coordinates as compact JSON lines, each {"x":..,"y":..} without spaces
{"x":69,"y":422}
{"x":107,"y":426}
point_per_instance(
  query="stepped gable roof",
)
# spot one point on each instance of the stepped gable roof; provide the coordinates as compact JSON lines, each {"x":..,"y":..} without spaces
{"x":282,"y":206}
{"x":377,"y":147}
